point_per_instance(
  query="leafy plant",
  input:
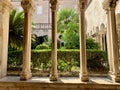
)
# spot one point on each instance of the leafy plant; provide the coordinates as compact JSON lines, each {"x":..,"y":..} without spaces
{"x":42,"y":46}
{"x":16,"y":25}
{"x":68,"y":26}
{"x":67,"y":59}
{"x":71,"y":36}
{"x":16,"y":30}
{"x":65,"y":16}
{"x":91,"y":44}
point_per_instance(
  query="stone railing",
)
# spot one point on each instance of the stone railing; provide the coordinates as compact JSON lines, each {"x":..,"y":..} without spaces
{"x":42,"y":26}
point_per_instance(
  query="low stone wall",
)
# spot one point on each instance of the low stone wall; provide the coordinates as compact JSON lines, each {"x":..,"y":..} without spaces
{"x":55,"y":86}
{"x":13,"y":83}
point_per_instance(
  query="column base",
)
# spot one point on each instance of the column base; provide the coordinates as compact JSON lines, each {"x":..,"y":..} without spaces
{"x":115,"y":77}
{"x":25,"y":76}
{"x":53,"y":77}
{"x":3,"y":74}
{"x":84,"y":77}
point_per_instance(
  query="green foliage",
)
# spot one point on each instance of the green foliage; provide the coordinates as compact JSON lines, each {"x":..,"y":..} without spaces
{"x":65,"y":16}
{"x":62,"y":65}
{"x":16,"y":23}
{"x":34,"y":42}
{"x":94,"y":60}
{"x":68,"y":26}
{"x":49,"y":43}
{"x":41,"y":59}
{"x":16,"y":30}
{"x":71,"y":36}
{"x":91,"y":44}
{"x":42,"y":46}
{"x":67,"y":59}
{"x":14,"y":58}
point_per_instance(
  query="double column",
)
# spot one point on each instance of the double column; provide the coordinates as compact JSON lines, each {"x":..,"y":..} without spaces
{"x":54,"y":72}
{"x":112,"y":40}
{"x":83,"y":61}
{"x":5,"y":7}
{"x":28,"y":7}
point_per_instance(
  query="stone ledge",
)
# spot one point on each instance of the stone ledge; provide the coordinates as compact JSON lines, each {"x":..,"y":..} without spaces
{"x":66,"y":83}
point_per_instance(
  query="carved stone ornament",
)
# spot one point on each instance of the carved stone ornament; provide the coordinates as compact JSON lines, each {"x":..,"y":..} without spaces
{"x":54,"y":4}
{"x":82,"y":5}
{"x":109,"y":4}
{"x":28,"y":6}
{"x":5,"y":5}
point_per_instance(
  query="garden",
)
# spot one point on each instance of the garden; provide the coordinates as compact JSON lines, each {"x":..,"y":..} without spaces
{"x":68,"y":47}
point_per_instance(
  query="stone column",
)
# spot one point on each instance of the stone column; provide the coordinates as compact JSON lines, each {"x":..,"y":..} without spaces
{"x":5,"y":7}
{"x":54,"y":72}
{"x":112,"y":40}
{"x":28,"y":7}
{"x":83,"y":62}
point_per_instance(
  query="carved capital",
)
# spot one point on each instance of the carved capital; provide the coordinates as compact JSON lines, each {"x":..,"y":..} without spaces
{"x":107,"y":4}
{"x":5,"y":5}
{"x":53,"y":5}
{"x":82,"y":4}
{"x":28,"y":6}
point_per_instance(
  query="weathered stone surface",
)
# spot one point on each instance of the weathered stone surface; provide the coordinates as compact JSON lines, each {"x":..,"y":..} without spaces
{"x":5,"y":7}
{"x":96,"y":83}
{"x":95,"y":15}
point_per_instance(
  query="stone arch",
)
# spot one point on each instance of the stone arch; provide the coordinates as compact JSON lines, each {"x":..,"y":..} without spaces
{"x":102,"y":26}
{"x":97,"y":29}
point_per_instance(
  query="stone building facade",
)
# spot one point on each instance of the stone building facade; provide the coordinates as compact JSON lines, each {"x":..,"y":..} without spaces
{"x":96,"y":21}
{"x":42,"y":14}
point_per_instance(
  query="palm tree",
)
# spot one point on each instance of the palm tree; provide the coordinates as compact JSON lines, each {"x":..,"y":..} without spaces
{"x":16,"y":25}
{"x":68,"y":27}
{"x":66,"y":16}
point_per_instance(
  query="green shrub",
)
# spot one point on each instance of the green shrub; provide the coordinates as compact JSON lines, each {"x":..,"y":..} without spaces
{"x":63,"y":65}
{"x":67,"y":59}
{"x":14,"y":58}
{"x":40,"y":59}
{"x":91,"y":44}
{"x":42,"y":46}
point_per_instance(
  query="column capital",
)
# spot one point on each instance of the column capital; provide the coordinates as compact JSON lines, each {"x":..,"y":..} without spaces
{"x":54,"y":5}
{"x":108,"y":4}
{"x":82,"y":4}
{"x":28,"y":6}
{"x":5,"y":4}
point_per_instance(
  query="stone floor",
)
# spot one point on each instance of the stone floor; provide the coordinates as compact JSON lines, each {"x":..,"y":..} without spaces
{"x":96,"y":80}
{"x":66,"y":83}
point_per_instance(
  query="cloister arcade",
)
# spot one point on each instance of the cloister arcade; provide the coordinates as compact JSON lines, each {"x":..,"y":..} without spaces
{"x":29,"y":7}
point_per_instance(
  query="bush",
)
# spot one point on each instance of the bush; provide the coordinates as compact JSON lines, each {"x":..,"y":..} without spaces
{"x":91,"y":44}
{"x":67,"y":59}
{"x":42,"y":46}
{"x":14,"y":58}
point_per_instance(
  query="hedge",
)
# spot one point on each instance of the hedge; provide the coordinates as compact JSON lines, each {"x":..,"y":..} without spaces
{"x":67,"y":59}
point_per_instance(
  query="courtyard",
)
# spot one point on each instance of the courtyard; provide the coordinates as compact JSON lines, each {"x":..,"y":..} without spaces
{"x":82,"y":26}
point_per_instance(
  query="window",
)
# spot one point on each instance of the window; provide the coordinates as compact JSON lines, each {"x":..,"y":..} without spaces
{"x":39,"y":9}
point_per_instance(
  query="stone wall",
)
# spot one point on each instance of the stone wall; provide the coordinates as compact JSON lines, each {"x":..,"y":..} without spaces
{"x":96,"y":16}
{"x":43,"y":12}
{"x":56,"y":86}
